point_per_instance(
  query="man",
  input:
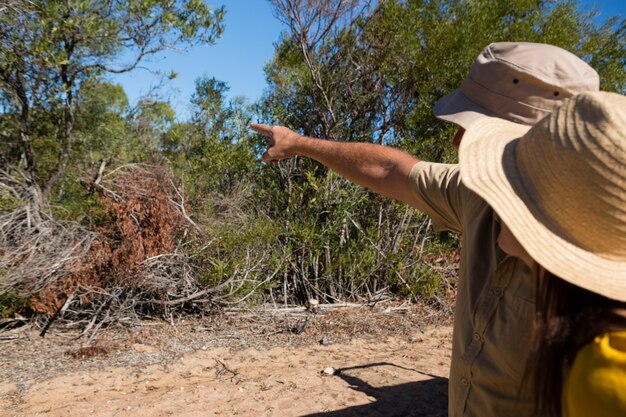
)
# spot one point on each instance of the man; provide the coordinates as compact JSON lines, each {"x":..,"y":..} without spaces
{"x":520,"y":82}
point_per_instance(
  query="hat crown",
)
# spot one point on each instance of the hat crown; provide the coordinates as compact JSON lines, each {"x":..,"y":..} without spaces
{"x":521,"y":82}
{"x":556,"y":67}
{"x":574,"y":165}
{"x":524,"y":82}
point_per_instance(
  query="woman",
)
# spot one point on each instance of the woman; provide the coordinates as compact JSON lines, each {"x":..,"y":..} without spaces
{"x":586,"y":334}
{"x":560,"y":192}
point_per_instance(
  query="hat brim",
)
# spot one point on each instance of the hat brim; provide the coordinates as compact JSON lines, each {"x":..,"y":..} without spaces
{"x":458,"y":109}
{"x":489,"y":168}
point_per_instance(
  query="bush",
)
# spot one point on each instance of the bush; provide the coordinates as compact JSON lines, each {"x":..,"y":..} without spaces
{"x":339,"y":241}
{"x":12,"y":303}
{"x":8,"y":202}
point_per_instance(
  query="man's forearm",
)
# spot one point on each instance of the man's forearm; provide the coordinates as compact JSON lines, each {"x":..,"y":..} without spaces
{"x":383,"y":169}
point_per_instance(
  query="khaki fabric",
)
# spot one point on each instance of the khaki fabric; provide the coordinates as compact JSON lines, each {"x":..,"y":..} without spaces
{"x":517,"y":81}
{"x":495,"y":301}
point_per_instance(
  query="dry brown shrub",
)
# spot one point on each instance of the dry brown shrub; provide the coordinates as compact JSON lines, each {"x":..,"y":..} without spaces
{"x":143,"y":224}
{"x":146,"y":223}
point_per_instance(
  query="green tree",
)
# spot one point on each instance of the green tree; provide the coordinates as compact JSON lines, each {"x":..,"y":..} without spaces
{"x":150,"y":120}
{"x":372,"y":71}
{"x":214,"y":150}
{"x":102,"y":129}
{"x":50,"y":48}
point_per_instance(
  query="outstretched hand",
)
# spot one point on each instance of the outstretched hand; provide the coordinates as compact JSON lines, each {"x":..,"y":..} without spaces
{"x":281,"y":144}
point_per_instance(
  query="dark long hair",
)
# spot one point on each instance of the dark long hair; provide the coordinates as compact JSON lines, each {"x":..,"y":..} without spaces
{"x":567,"y":318}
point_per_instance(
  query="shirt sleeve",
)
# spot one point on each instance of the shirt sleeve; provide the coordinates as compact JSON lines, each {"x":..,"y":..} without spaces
{"x":445,"y":199}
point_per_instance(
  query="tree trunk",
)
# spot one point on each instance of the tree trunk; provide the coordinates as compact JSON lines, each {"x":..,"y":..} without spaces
{"x":68,"y":79}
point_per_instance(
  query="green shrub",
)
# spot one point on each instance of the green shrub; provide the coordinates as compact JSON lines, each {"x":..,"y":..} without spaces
{"x":12,"y":303}
{"x":8,"y":202}
{"x":245,"y":251}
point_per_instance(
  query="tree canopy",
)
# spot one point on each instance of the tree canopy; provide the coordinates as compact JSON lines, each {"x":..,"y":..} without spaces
{"x":51,"y":48}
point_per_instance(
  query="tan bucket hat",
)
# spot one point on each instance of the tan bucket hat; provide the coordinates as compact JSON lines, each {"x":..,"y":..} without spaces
{"x":560,"y":187}
{"x":518,"y":81}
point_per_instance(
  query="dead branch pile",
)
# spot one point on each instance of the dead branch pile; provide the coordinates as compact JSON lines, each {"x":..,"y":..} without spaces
{"x":36,"y":252}
{"x":138,"y":261}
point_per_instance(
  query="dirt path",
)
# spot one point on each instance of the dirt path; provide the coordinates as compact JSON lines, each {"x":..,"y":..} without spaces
{"x":392,"y":365}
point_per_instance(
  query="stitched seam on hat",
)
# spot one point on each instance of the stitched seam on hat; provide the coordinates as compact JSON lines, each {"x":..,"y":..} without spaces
{"x":552,"y":82}
{"x":503,"y":96}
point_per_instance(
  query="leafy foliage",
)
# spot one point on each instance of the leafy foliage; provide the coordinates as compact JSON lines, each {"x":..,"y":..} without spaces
{"x":51,"y":48}
{"x":344,"y":70}
{"x":12,"y":303}
{"x":372,"y":71}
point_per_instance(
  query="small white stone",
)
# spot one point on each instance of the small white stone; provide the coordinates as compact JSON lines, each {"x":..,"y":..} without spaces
{"x":312,"y":304}
{"x":329,"y":371}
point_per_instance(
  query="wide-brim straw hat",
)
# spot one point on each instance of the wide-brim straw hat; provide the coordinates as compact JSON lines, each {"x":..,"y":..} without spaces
{"x":560,"y":187}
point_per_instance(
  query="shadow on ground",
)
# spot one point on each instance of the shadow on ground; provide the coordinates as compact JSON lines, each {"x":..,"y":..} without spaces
{"x":424,"y":398}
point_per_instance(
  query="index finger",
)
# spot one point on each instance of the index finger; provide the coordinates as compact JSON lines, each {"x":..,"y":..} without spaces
{"x":261,"y":128}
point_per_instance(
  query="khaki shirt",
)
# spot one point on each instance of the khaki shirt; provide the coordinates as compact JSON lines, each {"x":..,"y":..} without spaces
{"x":495,"y":301}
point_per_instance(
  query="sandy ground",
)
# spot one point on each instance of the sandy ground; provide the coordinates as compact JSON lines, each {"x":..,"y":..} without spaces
{"x":353,"y":362}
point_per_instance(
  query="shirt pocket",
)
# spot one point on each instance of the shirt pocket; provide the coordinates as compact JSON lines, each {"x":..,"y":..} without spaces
{"x":510,"y":332}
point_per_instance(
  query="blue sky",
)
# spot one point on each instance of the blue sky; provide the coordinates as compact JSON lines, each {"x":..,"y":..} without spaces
{"x":238,"y":57}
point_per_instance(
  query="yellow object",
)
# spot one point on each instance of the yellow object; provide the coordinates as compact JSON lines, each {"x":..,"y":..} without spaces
{"x":596,"y":383}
